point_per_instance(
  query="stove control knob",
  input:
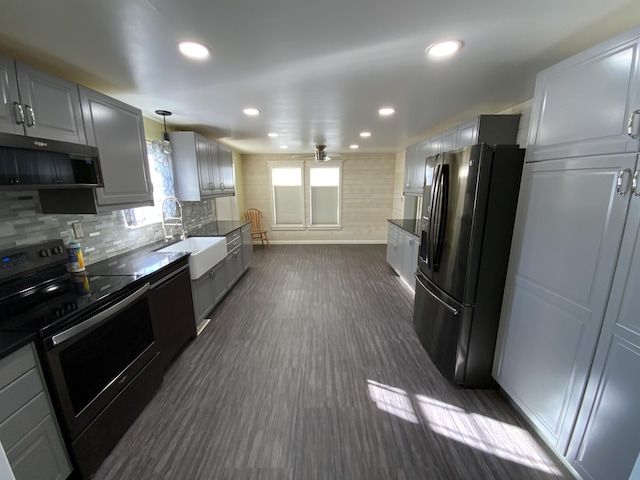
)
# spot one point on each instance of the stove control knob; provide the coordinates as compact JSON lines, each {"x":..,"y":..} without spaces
{"x":44,"y":252}
{"x":57,"y":249}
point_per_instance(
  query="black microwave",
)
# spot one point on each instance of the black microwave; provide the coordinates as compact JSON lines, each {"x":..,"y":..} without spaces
{"x":36,"y":163}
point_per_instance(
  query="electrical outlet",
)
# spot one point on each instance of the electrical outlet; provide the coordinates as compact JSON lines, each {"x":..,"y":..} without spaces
{"x":78,"y":232}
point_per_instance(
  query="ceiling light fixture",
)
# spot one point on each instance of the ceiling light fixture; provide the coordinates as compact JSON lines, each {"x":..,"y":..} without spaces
{"x":193,"y":50}
{"x":272,"y":134}
{"x":166,"y":144}
{"x":386,"y":111}
{"x":354,"y":146}
{"x":443,"y":49}
{"x":365,"y":134}
{"x":252,"y":112}
{"x":283,"y":147}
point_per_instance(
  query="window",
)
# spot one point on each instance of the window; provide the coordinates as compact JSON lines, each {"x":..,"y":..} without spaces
{"x":287,"y":194}
{"x":324,"y":195}
{"x":162,"y":180}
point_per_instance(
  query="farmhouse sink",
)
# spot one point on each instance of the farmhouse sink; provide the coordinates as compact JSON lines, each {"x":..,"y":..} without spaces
{"x":206,"y":252}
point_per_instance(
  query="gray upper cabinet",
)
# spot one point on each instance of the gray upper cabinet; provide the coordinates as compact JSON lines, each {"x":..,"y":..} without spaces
{"x":449,"y":139}
{"x":583,"y":105}
{"x":413,"y":173}
{"x":10,"y":119}
{"x":38,"y":104}
{"x":117,"y":130}
{"x":202,"y":167}
{"x":225,"y":170}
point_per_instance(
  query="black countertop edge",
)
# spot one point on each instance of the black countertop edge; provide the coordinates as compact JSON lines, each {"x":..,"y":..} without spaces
{"x":410,"y":225}
{"x":219,"y":228}
{"x":12,"y":341}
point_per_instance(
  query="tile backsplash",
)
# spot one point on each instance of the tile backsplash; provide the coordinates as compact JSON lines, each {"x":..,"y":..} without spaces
{"x":105,"y":235}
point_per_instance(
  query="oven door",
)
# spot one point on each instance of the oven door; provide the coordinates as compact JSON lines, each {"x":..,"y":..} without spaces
{"x":94,"y":360}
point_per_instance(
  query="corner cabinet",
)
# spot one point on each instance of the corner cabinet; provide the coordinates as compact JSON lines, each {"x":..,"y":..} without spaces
{"x":38,"y":104}
{"x":203,"y":167}
{"x":117,"y":130}
{"x":28,"y":428}
{"x":568,"y":347}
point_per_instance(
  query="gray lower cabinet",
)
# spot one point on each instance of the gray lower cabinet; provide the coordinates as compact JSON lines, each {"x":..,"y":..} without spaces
{"x":235,"y":265}
{"x":392,"y":246}
{"x":28,"y":428}
{"x":606,"y":443}
{"x":402,"y":253}
{"x":560,"y":271}
{"x":117,"y":130}
{"x":38,"y":104}
{"x":247,"y":246}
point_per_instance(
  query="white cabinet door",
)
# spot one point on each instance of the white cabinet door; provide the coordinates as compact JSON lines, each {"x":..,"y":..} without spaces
{"x":51,"y":106}
{"x":434,"y":145}
{"x":117,"y":130}
{"x":565,"y":245}
{"x":10,"y":119}
{"x":410,"y":171}
{"x":582,"y":105}
{"x":393,"y":248}
{"x":611,"y":442}
{"x":449,"y":139}
{"x":468,"y":133}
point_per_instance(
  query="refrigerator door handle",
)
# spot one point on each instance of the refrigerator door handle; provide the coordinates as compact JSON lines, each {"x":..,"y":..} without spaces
{"x":454,"y":311}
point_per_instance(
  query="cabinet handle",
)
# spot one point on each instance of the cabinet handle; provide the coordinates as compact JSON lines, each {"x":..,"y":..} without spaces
{"x":621,"y":175}
{"x":634,"y":184}
{"x":31,"y":121}
{"x":19,"y":113}
{"x":630,"y":124}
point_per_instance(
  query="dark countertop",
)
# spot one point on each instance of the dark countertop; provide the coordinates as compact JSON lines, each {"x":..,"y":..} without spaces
{"x":126,"y":269}
{"x":410,"y":225}
{"x":218,"y":229}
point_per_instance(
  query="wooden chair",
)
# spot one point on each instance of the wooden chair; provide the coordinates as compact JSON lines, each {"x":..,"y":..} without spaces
{"x":258,"y":228}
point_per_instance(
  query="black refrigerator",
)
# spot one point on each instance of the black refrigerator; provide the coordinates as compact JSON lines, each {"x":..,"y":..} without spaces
{"x":469,"y":207}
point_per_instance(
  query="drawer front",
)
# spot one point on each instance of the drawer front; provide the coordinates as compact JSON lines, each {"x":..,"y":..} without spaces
{"x":14,"y":428}
{"x":16,"y":394}
{"x":16,"y":365}
{"x":233,"y":243}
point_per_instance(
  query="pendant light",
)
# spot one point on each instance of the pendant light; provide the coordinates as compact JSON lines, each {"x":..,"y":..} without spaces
{"x":166,"y":144}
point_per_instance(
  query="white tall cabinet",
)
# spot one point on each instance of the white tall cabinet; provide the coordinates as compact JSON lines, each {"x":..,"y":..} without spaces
{"x":569,"y":344}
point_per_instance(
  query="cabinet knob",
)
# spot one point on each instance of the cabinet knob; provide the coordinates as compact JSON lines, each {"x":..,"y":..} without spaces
{"x":31,"y":121}
{"x":19,"y":113}
{"x":630,"y":131}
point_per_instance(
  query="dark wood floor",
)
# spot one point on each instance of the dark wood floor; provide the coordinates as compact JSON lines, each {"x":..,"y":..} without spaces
{"x":311,"y":369}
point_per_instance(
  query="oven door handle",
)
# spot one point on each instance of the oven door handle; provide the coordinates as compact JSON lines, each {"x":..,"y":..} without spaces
{"x":100,"y":317}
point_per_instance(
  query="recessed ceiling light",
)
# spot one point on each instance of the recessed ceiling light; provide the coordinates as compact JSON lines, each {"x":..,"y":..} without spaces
{"x":193,"y":50}
{"x":354,"y":146}
{"x":252,"y":112}
{"x":443,"y":49}
{"x":365,"y":134}
{"x":272,"y":134}
{"x":385,"y":111}
{"x":283,"y":146}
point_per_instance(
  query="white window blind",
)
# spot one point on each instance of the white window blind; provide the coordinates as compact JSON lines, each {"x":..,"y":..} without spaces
{"x":324,"y":195}
{"x":287,"y":195}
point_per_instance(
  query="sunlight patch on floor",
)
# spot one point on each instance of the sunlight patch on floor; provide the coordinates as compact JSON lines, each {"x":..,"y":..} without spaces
{"x":392,"y":400}
{"x":486,"y":434}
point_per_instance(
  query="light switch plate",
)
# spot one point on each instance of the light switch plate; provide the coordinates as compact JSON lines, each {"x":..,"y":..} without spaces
{"x":78,"y":232}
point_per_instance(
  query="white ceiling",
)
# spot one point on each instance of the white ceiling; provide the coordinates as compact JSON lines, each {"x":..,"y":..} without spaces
{"x":318,"y":71}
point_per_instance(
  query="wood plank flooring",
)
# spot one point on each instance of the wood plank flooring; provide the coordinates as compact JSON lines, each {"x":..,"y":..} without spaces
{"x":310,"y":369}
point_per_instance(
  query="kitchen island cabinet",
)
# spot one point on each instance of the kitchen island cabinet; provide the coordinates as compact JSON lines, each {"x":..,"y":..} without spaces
{"x":403,"y":246}
{"x":37,"y":104}
{"x":28,"y":428}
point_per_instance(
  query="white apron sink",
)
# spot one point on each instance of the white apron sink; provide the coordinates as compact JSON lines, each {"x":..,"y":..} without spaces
{"x":206,"y":252}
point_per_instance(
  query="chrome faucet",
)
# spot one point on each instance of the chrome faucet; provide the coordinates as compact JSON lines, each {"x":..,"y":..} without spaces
{"x":172,"y":221}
